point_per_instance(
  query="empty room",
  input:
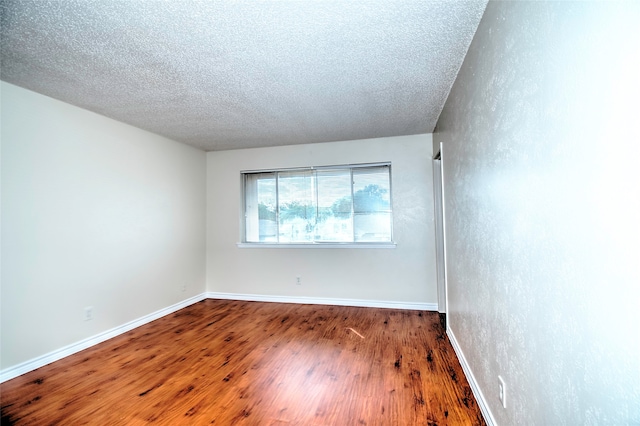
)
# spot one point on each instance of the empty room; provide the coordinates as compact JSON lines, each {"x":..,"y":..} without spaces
{"x":319,"y":213}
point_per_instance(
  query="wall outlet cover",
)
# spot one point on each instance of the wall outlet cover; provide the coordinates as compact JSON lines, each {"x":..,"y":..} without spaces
{"x":503,"y":392}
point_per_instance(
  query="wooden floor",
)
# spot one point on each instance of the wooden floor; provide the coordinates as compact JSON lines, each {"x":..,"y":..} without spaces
{"x":229,"y":362}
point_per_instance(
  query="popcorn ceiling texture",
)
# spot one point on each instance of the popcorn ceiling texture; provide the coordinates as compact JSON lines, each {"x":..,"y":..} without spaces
{"x":541,"y":175}
{"x":224,"y":75}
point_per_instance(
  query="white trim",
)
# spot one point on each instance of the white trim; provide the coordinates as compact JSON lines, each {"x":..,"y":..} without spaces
{"x":318,"y":245}
{"x":439,"y":230}
{"x":475,"y":388}
{"x":444,"y":235}
{"x":325,"y":301}
{"x":58,"y":354}
{"x":330,"y":167}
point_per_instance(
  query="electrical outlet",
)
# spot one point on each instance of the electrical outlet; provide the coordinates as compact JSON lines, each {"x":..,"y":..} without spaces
{"x":503,"y":392}
{"x":183,"y":288}
{"x":298,"y":280}
{"x":88,"y":313}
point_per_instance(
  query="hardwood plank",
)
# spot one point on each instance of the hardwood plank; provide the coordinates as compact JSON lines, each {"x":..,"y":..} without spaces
{"x":232,"y":362}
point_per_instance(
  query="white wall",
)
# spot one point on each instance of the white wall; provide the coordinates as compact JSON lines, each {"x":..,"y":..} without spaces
{"x":404,"y":274}
{"x":94,"y":213}
{"x":542,"y":178}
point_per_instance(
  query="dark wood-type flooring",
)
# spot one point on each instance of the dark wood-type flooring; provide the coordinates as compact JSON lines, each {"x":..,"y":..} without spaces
{"x":231,"y":362}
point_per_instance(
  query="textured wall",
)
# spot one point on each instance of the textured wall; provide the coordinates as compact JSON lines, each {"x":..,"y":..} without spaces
{"x":542,"y":209}
{"x":403,"y":274}
{"x":94,"y":213}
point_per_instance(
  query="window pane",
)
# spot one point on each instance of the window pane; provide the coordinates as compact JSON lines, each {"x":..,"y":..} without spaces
{"x":260,"y":207}
{"x":372,"y":204}
{"x":372,"y":226}
{"x":296,"y":206}
{"x":334,"y":206}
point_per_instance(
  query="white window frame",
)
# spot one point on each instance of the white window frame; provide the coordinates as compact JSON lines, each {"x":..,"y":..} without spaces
{"x":315,"y":244}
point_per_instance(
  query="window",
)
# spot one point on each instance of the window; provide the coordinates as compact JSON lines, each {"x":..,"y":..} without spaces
{"x":337,"y":204}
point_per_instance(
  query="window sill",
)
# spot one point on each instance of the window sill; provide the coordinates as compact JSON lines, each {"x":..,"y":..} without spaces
{"x":391,"y":245}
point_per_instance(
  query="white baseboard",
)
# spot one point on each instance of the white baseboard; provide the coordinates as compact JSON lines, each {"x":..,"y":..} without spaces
{"x":325,"y":301}
{"x":25,"y":367}
{"x":32,"y":364}
{"x":477,"y":393}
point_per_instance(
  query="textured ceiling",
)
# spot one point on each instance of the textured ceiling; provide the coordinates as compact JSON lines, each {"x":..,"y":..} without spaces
{"x":226,"y":74}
